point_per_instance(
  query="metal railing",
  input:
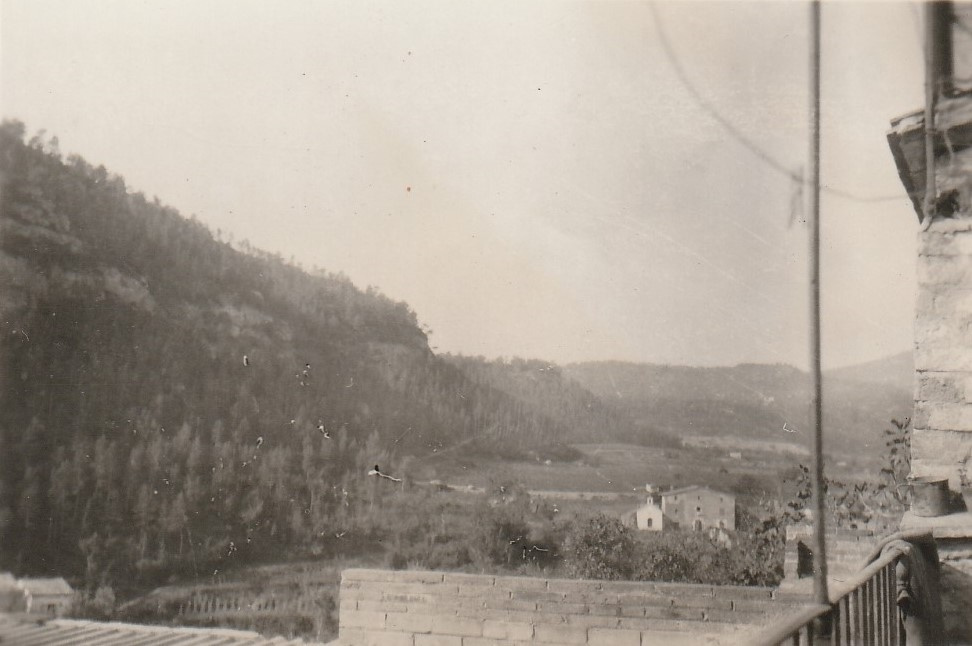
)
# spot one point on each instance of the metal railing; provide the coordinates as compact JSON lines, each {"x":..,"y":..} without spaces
{"x":862,"y":612}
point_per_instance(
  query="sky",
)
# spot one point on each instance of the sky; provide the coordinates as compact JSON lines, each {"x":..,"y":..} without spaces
{"x":533,"y":178}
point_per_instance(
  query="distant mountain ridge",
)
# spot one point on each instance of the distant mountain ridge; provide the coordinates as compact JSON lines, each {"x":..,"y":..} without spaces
{"x":895,"y":371}
{"x":754,"y":400}
{"x":658,"y":405}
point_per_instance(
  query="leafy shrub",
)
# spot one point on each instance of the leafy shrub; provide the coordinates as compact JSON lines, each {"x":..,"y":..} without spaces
{"x":396,"y":560}
{"x":599,"y":548}
{"x":99,"y":606}
{"x":501,"y":537}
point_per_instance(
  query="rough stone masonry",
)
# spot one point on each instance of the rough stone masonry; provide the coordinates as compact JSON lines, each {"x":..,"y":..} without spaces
{"x":943,"y":350}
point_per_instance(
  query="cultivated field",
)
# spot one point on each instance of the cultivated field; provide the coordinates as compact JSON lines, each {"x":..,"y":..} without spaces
{"x":620,"y":469}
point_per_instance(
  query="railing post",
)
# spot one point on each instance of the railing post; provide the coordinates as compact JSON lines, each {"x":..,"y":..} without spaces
{"x":864,"y":606}
{"x":868,"y":607}
{"x":879,"y":610}
{"x":848,"y":621}
{"x":898,"y":639}
{"x":835,"y":618}
{"x":850,"y":618}
{"x":875,"y":610}
{"x":898,"y":625}
{"x":888,"y":601}
{"x":902,"y":572}
{"x":882,"y":604}
{"x":867,"y":604}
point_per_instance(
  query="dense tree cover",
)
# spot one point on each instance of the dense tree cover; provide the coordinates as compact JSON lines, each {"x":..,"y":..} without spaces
{"x":504,"y":530}
{"x":135,"y":440}
{"x":546,"y":388}
{"x":601,"y":547}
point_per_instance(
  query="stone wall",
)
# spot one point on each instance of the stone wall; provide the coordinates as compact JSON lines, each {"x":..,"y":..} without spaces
{"x":943,"y":350}
{"x":421,"y":608}
{"x":847,"y":551}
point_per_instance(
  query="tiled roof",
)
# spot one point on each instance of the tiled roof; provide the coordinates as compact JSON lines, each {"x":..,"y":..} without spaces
{"x":21,"y":630}
{"x":55,"y":585}
{"x":682,"y":490}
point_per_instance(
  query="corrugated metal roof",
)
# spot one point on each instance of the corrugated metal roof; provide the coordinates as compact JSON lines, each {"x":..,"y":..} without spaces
{"x":22,"y":630}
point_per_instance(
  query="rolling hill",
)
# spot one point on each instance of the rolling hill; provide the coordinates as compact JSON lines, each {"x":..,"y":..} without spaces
{"x":165,"y":394}
{"x":754,"y":401}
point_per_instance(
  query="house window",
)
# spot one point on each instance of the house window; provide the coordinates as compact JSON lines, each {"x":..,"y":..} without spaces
{"x":698,"y":509}
{"x":648,"y":524}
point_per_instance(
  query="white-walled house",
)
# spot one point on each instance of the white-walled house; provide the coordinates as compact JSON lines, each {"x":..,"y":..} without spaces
{"x":649,"y":516}
{"x":47,"y":596}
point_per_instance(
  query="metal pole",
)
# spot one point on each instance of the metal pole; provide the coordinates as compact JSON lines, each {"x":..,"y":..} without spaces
{"x":816,"y":407}
{"x":932,"y":10}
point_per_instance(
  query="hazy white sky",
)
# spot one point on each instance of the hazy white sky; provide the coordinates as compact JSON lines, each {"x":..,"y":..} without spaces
{"x":531,"y":177}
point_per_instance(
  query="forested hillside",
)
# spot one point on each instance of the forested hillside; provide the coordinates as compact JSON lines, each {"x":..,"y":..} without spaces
{"x":168,"y":399}
{"x":549,"y":389}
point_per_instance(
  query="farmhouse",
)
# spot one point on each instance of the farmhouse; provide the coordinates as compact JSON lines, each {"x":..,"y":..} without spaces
{"x":50,"y":596}
{"x":11,"y":596}
{"x":697,"y":507}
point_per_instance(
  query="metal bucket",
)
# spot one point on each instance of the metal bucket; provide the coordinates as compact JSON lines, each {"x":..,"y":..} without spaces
{"x":929,"y":496}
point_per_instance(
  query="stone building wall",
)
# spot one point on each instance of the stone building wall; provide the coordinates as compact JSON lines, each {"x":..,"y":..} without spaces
{"x":943,"y":350}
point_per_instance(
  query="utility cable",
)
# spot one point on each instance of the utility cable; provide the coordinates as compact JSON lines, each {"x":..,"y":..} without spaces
{"x":738,"y":135}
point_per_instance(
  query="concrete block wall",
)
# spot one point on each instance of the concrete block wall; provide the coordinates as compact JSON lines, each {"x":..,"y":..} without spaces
{"x":423,"y":608}
{"x":942,"y":422}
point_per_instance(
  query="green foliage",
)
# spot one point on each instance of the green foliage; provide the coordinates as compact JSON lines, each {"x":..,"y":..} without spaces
{"x":600,"y":547}
{"x":604,"y":548}
{"x":696,"y":557}
{"x":897,"y":465}
{"x":99,"y":605}
{"x":802,"y":497}
{"x":963,"y":471}
{"x":878,"y":501}
{"x":501,"y":535}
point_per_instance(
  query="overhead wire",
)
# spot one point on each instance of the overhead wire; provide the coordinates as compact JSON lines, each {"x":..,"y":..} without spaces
{"x":736,"y":133}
